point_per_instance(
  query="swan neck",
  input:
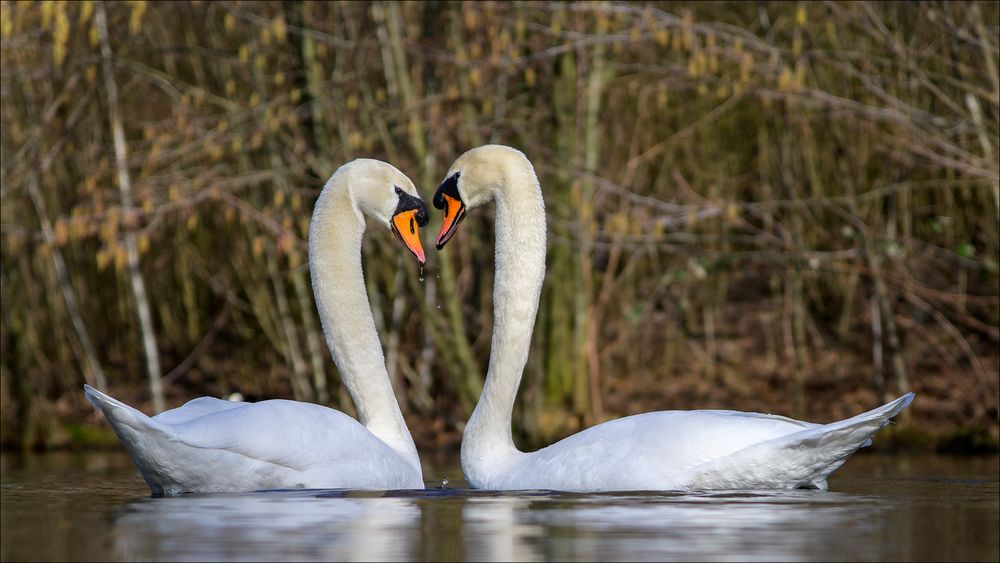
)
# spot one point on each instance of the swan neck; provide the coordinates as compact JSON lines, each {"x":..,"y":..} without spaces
{"x":335,"y":237}
{"x":487,"y":445}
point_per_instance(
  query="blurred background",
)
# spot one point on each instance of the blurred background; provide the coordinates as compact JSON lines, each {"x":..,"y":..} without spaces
{"x":779,"y":207}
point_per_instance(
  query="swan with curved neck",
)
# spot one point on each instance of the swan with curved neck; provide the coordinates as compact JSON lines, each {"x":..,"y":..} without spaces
{"x":211,"y":445}
{"x":665,"y":450}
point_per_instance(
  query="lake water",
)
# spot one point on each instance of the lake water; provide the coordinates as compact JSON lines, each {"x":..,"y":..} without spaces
{"x":94,"y":506}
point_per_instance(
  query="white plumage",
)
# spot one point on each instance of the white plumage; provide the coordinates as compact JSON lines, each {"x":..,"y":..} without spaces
{"x":667,"y":450}
{"x":212,"y":445}
{"x":692,"y":450}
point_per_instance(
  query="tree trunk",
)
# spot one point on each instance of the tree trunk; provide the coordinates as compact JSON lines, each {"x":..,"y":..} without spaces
{"x":131,"y":247}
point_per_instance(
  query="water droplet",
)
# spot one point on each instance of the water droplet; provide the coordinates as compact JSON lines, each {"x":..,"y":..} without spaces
{"x":444,"y":482}
{"x":421,"y":274}
{"x":438,"y":305}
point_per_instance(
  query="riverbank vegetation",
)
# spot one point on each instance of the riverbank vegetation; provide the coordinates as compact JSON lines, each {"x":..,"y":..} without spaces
{"x":781,"y":207}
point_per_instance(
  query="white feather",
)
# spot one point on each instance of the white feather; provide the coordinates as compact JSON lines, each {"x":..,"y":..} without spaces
{"x":668,"y":450}
{"x":213,"y":445}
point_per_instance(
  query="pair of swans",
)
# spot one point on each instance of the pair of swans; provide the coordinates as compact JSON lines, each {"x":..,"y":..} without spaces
{"x":211,"y":445}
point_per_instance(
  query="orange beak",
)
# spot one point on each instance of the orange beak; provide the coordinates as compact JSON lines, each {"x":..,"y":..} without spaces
{"x":404,"y":226}
{"x":454,"y":212}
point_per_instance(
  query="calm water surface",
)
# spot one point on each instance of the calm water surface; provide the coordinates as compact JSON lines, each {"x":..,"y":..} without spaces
{"x":94,"y":506}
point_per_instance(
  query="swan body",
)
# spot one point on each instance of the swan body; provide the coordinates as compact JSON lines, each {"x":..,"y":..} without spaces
{"x":211,"y":445}
{"x":274,"y":444}
{"x":688,"y":450}
{"x":666,"y":450}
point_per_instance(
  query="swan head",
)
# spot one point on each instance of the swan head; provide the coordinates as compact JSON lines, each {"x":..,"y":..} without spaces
{"x":382,"y":192}
{"x":472,"y":181}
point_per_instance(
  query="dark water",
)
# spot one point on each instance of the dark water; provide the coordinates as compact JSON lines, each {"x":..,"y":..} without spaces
{"x":96,"y":507}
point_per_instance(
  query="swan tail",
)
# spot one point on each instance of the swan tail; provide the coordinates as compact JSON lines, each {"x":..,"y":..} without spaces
{"x":141,"y":435}
{"x":114,"y":410}
{"x":802,"y":459}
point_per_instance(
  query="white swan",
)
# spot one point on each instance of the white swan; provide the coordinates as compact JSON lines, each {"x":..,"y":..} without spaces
{"x":211,"y":445}
{"x":667,"y":450}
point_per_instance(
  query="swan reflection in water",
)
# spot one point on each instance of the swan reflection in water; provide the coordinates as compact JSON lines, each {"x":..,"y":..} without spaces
{"x":760,"y":525}
{"x":269,"y":525}
{"x":459,"y":524}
